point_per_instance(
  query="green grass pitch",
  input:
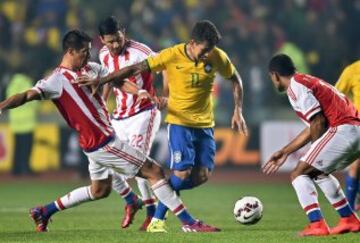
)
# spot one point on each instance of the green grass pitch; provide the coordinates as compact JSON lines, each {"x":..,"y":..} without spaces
{"x":100,"y":221}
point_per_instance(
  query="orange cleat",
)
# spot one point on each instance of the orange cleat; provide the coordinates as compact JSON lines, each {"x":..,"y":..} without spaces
{"x":145,"y":224}
{"x":130,"y":211}
{"x":318,"y":228}
{"x":346,"y":225}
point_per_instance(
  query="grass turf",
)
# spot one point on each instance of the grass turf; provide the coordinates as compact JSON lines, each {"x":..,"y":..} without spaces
{"x":100,"y":221}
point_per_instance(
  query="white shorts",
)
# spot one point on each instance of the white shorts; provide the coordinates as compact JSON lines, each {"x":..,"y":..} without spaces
{"x":335,"y":149}
{"x":118,"y":156}
{"x":139,"y":130}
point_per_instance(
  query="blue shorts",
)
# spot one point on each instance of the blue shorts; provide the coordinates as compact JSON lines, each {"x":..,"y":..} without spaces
{"x":191,"y":147}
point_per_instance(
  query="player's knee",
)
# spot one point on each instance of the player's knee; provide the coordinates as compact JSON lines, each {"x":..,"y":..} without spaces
{"x":183,"y":174}
{"x":294,"y":174}
{"x":201,"y":176}
{"x":152,"y":172}
{"x":354,"y":169}
{"x":102,"y":191}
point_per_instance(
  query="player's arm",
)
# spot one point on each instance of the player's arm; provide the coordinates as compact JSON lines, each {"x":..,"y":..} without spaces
{"x":318,"y":126}
{"x":117,"y":78}
{"x":106,"y":91}
{"x":238,"y":121}
{"x":162,"y":100}
{"x":278,"y":158}
{"x":19,"y":99}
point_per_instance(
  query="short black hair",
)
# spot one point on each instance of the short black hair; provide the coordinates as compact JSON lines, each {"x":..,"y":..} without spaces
{"x":282,"y":64}
{"x":109,"y":26}
{"x":75,"y":39}
{"x":205,"y":30}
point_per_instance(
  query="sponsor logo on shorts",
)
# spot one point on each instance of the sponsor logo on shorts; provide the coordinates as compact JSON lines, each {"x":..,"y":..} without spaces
{"x":177,"y":156}
{"x":320,"y":162}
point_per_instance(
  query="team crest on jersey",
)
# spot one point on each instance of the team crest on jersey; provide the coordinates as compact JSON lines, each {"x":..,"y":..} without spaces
{"x":177,"y":156}
{"x":208,"y":67}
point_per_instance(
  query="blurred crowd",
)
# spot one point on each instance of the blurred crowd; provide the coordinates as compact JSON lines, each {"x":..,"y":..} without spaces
{"x":320,"y":35}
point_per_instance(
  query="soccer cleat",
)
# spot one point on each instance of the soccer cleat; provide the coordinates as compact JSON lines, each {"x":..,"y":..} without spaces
{"x":156,"y":226}
{"x":199,"y":226}
{"x":346,"y":225}
{"x":41,"y":222}
{"x":145,"y":223}
{"x":130,"y":211}
{"x":318,"y":228}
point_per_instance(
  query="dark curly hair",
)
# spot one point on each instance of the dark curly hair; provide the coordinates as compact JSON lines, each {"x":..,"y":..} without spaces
{"x":205,"y":30}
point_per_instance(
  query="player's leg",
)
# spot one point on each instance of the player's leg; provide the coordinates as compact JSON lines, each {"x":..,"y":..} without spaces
{"x":143,"y":129}
{"x":301,"y":179}
{"x":163,"y":191}
{"x":335,"y":150}
{"x":182,"y":161}
{"x":352,"y":183}
{"x":132,"y":204}
{"x":131,"y":162}
{"x":100,"y":188}
{"x":205,"y":148}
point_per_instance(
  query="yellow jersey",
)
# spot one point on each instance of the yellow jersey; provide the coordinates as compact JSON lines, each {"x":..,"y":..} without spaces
{"x":191,"y":84}
{"x":349,"y":83}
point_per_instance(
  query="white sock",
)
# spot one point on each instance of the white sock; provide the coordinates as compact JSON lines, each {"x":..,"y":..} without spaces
{"x":120,"y":185}
{"x":332,"y":190}
{"x":74,"y":198}
{"x":167,"y":195}
{"x":306,"y":193}
{"x":146,"y":193}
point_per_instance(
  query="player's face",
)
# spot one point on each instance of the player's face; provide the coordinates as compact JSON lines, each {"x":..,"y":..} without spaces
{"x":82,"y":56}
{"x":114,"y":42}
{"x":275,"y":78}
{"x":200,"y":51}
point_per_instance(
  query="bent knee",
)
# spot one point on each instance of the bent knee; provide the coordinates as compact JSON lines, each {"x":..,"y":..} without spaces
{"x":183,"y":174}
{"x":101,"y":192}
{"x":201,"y":176}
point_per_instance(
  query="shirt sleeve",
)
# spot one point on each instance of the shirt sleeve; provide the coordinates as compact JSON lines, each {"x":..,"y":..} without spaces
{"x":103,"y":71}
{"x":226,"y":68}
{"x":100,"y":70}
{"x":306,"y":102}
{"x":159,"y":62}
{"x":50,"y":88}
{"x":344,"y":82}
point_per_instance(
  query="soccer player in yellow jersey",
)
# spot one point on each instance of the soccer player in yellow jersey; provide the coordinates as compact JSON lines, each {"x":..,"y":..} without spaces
{"x":191,"y":69}
{"x":349,"y":84}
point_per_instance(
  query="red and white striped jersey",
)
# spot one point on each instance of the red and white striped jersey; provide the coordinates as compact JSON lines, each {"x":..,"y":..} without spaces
{"x":309,"y":95}
{"x":132,"y":53}
{"x":83,"y":112}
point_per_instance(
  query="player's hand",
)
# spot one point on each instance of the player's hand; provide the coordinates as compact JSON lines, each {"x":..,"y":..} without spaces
{"x":143,"y":95}
{"x":161,"y":102}
{"x":238,"y":122}
{"x":84,"y":80}
{"x":276,"y":160}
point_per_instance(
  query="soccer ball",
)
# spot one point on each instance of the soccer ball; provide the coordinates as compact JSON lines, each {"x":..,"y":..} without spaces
{"x":248,"y":210}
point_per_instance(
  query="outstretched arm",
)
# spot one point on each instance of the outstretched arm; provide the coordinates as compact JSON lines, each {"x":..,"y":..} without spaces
{"x":19,"y":99}
{"x":278,"y":158}
{"x":238,"y":121}
{"x":318,"y":127}
{"x":117,"y":77}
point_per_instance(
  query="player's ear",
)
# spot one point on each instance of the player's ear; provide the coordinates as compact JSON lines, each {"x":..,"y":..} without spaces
{"x":102,"y":39}
{"x":71,"y":51}
{"x":191,"y":42}
{"x":277,"y":76}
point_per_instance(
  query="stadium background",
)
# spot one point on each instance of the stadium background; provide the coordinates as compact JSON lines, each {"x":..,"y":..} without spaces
{"x":318,"y":34}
